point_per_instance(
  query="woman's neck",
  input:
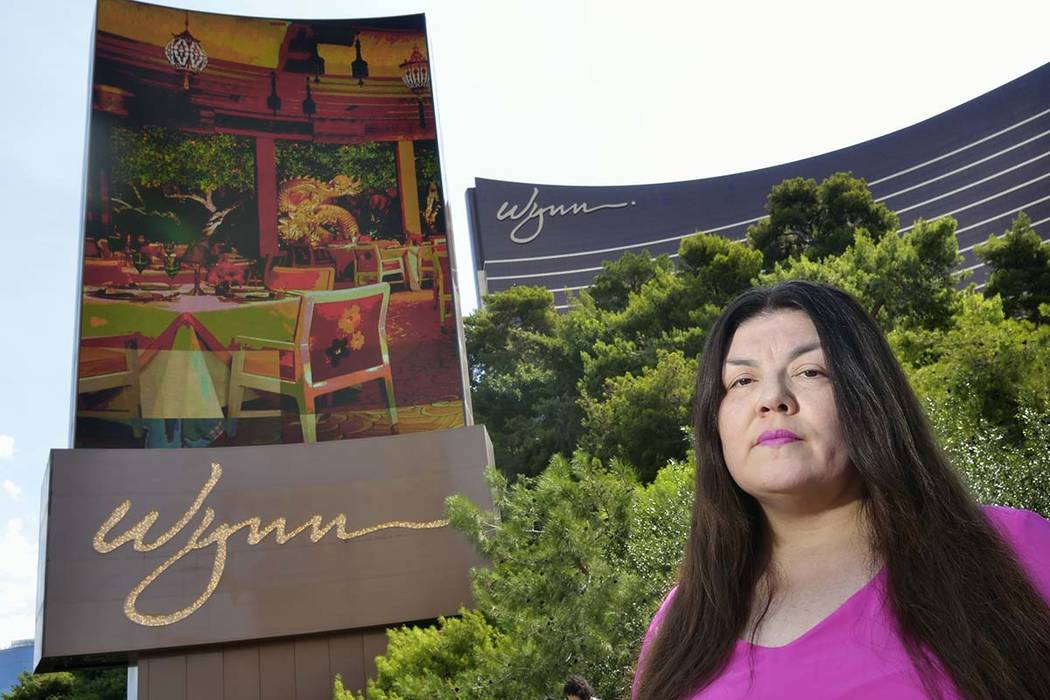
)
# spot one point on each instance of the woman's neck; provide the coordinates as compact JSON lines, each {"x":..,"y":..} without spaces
{"x":836,"y":534}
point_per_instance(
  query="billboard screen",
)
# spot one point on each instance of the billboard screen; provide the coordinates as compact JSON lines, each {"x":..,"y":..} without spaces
{"x":265,"y":254}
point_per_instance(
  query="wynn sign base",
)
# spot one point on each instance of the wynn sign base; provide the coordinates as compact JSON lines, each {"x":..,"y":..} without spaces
{"x":252,"y":571}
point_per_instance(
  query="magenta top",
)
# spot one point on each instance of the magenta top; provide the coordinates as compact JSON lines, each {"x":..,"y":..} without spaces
{"x":855,"y":651}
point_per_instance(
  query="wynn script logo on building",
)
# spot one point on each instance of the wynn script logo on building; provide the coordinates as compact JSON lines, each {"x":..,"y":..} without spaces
{"x":534,"y":213}
{"x":204,"y":534}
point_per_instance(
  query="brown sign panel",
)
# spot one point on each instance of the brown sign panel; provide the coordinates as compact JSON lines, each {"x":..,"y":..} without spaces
{"x":178,"y":548}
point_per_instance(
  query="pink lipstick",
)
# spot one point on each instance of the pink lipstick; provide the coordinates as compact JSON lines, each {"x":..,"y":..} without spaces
{"x":773,"y":438}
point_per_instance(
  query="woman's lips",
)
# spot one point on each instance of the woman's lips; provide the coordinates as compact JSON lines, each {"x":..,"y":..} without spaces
{"x":772,"y":438}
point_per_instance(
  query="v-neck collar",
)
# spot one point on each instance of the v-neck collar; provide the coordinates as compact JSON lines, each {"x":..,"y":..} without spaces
{"x":852,"y":601}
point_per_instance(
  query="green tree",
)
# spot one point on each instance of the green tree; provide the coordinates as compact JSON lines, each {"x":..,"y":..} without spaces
{"x":82,"y":684}
{"x":624,"y":276}
{"x":818,"y":220}
{"x":534,"y":373}
{"x":581,"y":557}
{"x":372,"y":163}
{"x":995,"y":364}
{"x":215,"y":171}
{"x":1001,"y":466}
{"x":45,"y":686}
{"x":643,"y":419}
{"x":716,"y":269}
{"x":904,"y":279}
{"x":1020,"y":269}
{"x":523,"y":378}
{"x":456,"y":657}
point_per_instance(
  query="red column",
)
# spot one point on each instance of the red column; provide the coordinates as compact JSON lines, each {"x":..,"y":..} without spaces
{"x":266,"y":193}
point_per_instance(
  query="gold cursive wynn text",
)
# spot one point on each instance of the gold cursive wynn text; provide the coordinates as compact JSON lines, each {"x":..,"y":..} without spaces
{"x":531,"y":211}
{"x":218,"y":536}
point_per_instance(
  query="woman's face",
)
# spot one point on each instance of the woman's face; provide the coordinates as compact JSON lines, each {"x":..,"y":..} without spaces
{"x":778,"y":421}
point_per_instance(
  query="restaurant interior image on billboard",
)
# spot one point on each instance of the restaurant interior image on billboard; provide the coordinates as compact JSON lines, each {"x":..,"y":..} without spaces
{"x":236,"y":167}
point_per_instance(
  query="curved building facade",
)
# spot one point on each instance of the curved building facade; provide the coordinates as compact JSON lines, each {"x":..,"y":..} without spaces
{"x":982,"y":163}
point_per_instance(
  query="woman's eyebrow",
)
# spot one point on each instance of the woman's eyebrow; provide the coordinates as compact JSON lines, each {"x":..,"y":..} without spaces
{"x":797,"y":352}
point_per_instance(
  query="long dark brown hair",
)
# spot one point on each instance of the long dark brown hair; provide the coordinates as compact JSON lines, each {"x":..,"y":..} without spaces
{"x":961,"y":600}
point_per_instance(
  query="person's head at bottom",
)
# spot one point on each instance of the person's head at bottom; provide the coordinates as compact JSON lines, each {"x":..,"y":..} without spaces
{"x":577,"y":688}
{"x":805,"y":427}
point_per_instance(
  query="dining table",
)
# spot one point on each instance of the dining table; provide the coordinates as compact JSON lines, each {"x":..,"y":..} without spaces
{"x":184,"y":341}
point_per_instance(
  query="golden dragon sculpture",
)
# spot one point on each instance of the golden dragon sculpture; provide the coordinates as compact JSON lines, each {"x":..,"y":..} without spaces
{"x":305,"y":212}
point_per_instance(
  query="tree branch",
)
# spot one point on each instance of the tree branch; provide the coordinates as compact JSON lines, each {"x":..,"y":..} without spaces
{"x":206,"y":203}
{"x":217,"y":218}
{"x":120,"y":206}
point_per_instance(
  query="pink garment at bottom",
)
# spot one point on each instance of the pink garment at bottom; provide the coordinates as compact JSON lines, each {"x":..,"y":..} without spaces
{"x":855,"y":652}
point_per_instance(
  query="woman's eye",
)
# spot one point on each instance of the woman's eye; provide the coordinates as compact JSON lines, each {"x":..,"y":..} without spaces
{"x":742,"y":381}
{"x":811,"y":373}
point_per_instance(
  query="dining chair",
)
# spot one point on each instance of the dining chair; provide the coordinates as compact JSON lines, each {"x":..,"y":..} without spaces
{"x":111,"y":362}
{"x":373,"y":264}
{"x":302,"y":278}
{"x":340,"y":342}
{"x":443,"y":286}
{"x":426,"y":263}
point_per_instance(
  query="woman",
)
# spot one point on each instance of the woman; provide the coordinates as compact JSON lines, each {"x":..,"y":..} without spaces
{"x":833,"y":552}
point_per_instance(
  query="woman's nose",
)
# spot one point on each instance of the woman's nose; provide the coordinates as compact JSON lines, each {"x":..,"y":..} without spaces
{"x":776,"y":398}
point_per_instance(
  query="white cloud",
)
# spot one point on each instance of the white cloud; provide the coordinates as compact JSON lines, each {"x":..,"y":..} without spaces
{"x":17,"y":583}
{"x":7,"y":447}
{"x":11,"y":489}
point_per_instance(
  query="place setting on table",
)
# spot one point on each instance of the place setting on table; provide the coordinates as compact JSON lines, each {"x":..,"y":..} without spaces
{"x":124,"y":286}
{"x":175,"y":275}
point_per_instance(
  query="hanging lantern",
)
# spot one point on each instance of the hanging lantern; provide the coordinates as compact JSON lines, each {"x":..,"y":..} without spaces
{"x":185,"y":54}
{"x":359,"y":67}
{"x":415,"y":72}
{"x":274,"y":100}
{"x":309,"y":106}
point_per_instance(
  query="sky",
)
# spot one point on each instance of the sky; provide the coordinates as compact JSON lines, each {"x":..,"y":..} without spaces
{"x":573,"y":92}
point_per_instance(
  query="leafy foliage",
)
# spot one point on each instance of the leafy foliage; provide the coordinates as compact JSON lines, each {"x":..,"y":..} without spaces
{"x":455,"y":657}
{"x":372,"y":163}
{"x":577,"y":569}
{"x":999,"y":467}
{"x":188,"y":163}
{"x":428,"y":163}
{"x":87,"y":684}
{"x":643,"y":420}
{"x":992,"y":364}
{"x":818,"y":220}
{"x":624,"y":276}
{"x":903,"y":279}
{"x":1020,"y":263}
{"x":522,"y":378}
{"x":156,"y":169}
{"x":539,"y":378}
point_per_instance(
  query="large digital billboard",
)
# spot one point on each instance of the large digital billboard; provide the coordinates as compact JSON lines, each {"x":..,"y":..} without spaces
{"x":266,"y":263}
{"x":266,"y":257}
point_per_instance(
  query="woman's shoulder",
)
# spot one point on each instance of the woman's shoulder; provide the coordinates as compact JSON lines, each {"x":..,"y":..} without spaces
{"x":1028,"y":534}
{"x":1021,"y":528}
{"x":654,"y":627}
{"x":658,"y":617}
